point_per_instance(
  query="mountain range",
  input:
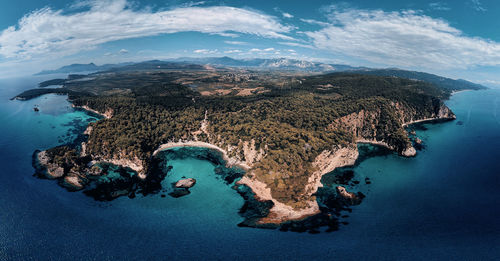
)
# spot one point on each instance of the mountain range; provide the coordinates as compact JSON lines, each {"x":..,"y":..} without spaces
{"x":283,"y":64}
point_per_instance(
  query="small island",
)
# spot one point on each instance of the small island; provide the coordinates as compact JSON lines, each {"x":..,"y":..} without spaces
{"x":283,"y":131}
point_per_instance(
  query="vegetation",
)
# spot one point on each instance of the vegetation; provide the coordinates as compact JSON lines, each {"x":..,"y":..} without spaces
{"x":292,"y":122}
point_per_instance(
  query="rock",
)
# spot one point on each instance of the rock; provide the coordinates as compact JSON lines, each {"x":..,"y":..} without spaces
{"x":73,"y":182}
{"x":95,"y":171}
{"x":185,"y":183}
{"x":418,"y":141}
{"x":54,"y":171}
{"x":413,"y":132}
{"x":36,"y":109}
{"x":409,"y":152}
{"x":351,"y":197}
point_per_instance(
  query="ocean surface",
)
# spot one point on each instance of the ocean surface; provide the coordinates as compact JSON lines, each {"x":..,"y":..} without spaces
{"x":442,"y":204}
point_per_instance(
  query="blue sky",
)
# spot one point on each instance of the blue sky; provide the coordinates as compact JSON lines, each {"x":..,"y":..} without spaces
{"x":459,"y":39}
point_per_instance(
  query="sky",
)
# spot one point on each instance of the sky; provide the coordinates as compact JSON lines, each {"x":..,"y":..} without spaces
{"x":457,"y":39}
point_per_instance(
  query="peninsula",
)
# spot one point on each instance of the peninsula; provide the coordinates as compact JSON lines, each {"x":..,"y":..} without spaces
{"x":285,"y":130}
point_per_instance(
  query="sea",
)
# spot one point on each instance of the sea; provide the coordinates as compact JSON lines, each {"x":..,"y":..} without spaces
{"x":443,"y":204}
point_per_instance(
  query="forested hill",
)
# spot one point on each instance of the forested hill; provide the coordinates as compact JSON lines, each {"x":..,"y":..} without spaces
{"x":442,"y":82}
{"x":289,"y":120}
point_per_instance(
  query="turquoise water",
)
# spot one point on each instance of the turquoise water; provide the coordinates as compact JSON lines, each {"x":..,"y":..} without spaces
{"x":442,"y":204}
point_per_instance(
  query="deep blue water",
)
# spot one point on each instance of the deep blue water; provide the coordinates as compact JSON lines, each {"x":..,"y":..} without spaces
{"x":445,"y":203}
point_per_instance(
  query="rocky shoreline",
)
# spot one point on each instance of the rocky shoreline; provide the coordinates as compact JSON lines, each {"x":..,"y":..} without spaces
{"x":277,"y":213}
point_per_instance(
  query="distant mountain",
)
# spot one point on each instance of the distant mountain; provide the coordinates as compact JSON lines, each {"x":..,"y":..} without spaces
{"x":75,"y":68}
{"x":443,"y":82}
{"x":271,"y":64}
{"x":158,"y":65}
{"x":285,"y":64}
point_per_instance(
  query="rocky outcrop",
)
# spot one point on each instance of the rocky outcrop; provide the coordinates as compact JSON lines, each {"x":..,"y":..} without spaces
{"x":135,"y":164}
{"x":350,"y":197}
{"x":409,"y":152}
{"x":326,"y":162}
{"x":106,"y":114}
{"x":73,"y":182}
{"x":363,"y":127}
{"x":443,"y":113}
{"x":43,"y":166}
{"x":185,"y":183}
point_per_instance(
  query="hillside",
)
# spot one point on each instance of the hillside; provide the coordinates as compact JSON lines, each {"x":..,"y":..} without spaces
{"x":442,"y":82}
{"x":285,"y":134}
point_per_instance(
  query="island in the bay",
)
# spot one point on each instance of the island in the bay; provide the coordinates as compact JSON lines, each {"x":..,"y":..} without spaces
{"x":273,"y":133}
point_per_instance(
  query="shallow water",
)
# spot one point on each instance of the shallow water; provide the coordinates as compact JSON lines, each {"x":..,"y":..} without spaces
{"x":442,"y":204}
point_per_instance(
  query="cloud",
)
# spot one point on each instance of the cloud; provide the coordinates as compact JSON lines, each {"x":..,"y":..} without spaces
{"x":476,"y":4}
{"x":205,"y":51}
{"x":191,"y":3}
{"x":284,"y":14}
{"x":123,"y":51}
{"x":312,"y":21}
{"x":48,"y":32}
{"x":270,"y":49}
{"x":439,"y":6}
{"x":405,"y":39}
{"x":236,"y":42}
{"x":297,"y":45}
{"x":233,"y":51}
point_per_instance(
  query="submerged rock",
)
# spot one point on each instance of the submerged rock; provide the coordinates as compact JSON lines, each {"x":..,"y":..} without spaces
{"x":418,"y":141}
{"x":185,"y":183}
{"x":179,"y":192}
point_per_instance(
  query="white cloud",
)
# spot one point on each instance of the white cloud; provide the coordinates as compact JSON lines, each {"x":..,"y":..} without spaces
{"x":205,"y":51}
{"x":236,"y":42}
{"x":439,"y":6}
{"x":270,"y":49}
{"x":123,"y":51}
{"x":476,"y":4}
{"x":312,"y":21}
{"x":284,"y":14}
{"x":49,"y":32}
{"x":191,"y":3}
{"x":297,"y":45}
{"x":405,"y":39}
{"x":233,"y":51}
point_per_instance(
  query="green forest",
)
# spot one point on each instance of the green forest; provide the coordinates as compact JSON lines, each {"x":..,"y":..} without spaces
{"x":291,"y":123}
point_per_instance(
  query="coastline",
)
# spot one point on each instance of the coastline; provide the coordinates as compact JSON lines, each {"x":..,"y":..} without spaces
{"x":326,"y":162}
{"x":229,"y":161}
{"x":107,"y":114}
{"x":455,"y":92}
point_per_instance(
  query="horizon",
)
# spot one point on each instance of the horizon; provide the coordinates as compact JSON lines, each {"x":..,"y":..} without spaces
{"x":447,"y":38}
{"x":241,"y":59}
